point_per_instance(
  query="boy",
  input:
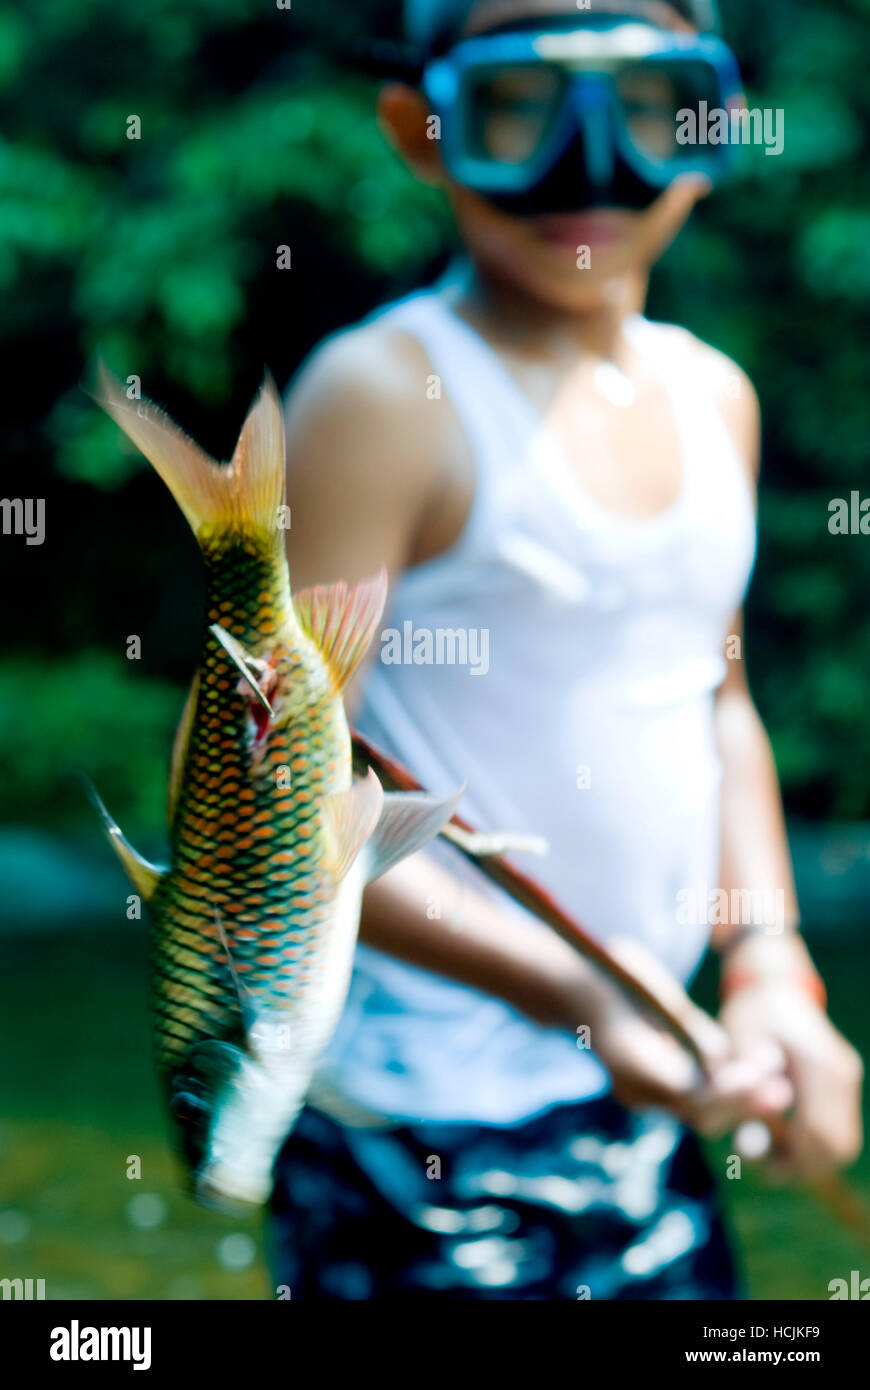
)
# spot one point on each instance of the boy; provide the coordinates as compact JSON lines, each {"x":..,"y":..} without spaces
{"x":569,"y":487}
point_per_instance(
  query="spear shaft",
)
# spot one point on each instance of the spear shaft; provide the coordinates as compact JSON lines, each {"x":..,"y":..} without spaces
{"x":529,"y":894}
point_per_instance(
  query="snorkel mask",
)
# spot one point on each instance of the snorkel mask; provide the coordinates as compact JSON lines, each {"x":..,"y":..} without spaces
{"x":560,"y":119}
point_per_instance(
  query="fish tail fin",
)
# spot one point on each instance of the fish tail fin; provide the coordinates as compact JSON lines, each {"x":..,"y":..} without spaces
{"x":244,"y":494}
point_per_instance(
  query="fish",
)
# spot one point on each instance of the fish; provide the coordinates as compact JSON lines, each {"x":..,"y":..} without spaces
{"x":271,"y":838}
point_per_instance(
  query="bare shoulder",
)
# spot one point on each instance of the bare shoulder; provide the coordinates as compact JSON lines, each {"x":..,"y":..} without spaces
{"x":367,"y":441}
{"x":360,"y":397}
{"x":373,"y":362}
{"x":732,"y":391}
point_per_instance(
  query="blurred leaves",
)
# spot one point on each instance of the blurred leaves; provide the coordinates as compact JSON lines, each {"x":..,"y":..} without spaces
{"x":90,"y":716}
{"x":159,"y":242}
{"x":257,"y":131}
{"x":776,"y":273}
{"x":832,"y":255}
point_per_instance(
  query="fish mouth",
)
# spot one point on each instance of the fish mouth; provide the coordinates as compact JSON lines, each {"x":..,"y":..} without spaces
{"x":250,"y":1115}
{"x":219,"y":1103}
{"x":234,"y":1113}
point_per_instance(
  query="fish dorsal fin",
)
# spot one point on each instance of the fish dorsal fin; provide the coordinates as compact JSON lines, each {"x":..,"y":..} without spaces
{"x":408,"y":821}
{"x":180,"y":745}
{"x":144,"y":877}
{"x":342,"y":621}
{"x":351,"y":817}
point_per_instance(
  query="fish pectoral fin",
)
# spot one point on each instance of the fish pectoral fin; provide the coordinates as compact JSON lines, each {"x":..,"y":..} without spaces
{"x":351,"y":817}
{"x":342,"y":621}
{"x":480,"y":844}
{"x":250,"y":668}
{"x":408,"y":821}
{"x":266,"y":1030}
{"x":144,"y":877}
{"x":245,"y":998}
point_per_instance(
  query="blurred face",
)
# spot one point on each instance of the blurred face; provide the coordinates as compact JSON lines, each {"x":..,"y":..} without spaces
{"x":573,"y":260}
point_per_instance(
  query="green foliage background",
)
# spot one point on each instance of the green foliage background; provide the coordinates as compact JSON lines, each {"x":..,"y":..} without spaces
{"x":258,"y":130}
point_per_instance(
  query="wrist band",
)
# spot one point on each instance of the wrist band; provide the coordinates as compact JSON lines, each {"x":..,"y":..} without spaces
{"x":804,"y":979}
{"x":740,"y":935}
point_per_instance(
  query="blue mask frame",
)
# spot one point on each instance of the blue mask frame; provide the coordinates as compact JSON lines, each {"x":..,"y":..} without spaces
{"x":590,"y":107}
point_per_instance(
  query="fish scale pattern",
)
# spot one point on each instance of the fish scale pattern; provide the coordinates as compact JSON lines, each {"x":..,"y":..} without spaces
{"x":248,"y":836}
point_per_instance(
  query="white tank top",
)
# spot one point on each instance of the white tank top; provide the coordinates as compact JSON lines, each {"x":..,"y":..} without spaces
{"x":592,"y":724}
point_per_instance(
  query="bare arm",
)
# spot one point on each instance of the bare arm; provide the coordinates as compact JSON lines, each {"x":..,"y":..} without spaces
{"x":770,"y":986}
{"x":771,"y":990}
{"x":754,"y":850}
{"x":755,"y":858}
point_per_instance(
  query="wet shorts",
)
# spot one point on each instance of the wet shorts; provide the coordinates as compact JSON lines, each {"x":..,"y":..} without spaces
{"x":584,"y":1201}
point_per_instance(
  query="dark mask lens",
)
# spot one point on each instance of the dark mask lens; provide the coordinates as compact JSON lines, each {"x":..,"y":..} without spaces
{"x":511,"y":111}
{"x":652,"y":96}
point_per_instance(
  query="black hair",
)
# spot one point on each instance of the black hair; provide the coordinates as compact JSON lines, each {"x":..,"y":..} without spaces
{"x":431,"y":26}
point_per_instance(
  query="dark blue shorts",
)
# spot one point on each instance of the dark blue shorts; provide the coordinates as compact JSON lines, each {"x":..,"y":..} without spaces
{"x":585,"y":1201}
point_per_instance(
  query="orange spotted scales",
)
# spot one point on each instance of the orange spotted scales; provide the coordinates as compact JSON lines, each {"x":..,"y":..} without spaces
{"x":271,"y":841}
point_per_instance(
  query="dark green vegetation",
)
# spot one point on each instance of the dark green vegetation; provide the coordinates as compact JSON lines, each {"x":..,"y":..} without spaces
{"x":257,"y":131}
